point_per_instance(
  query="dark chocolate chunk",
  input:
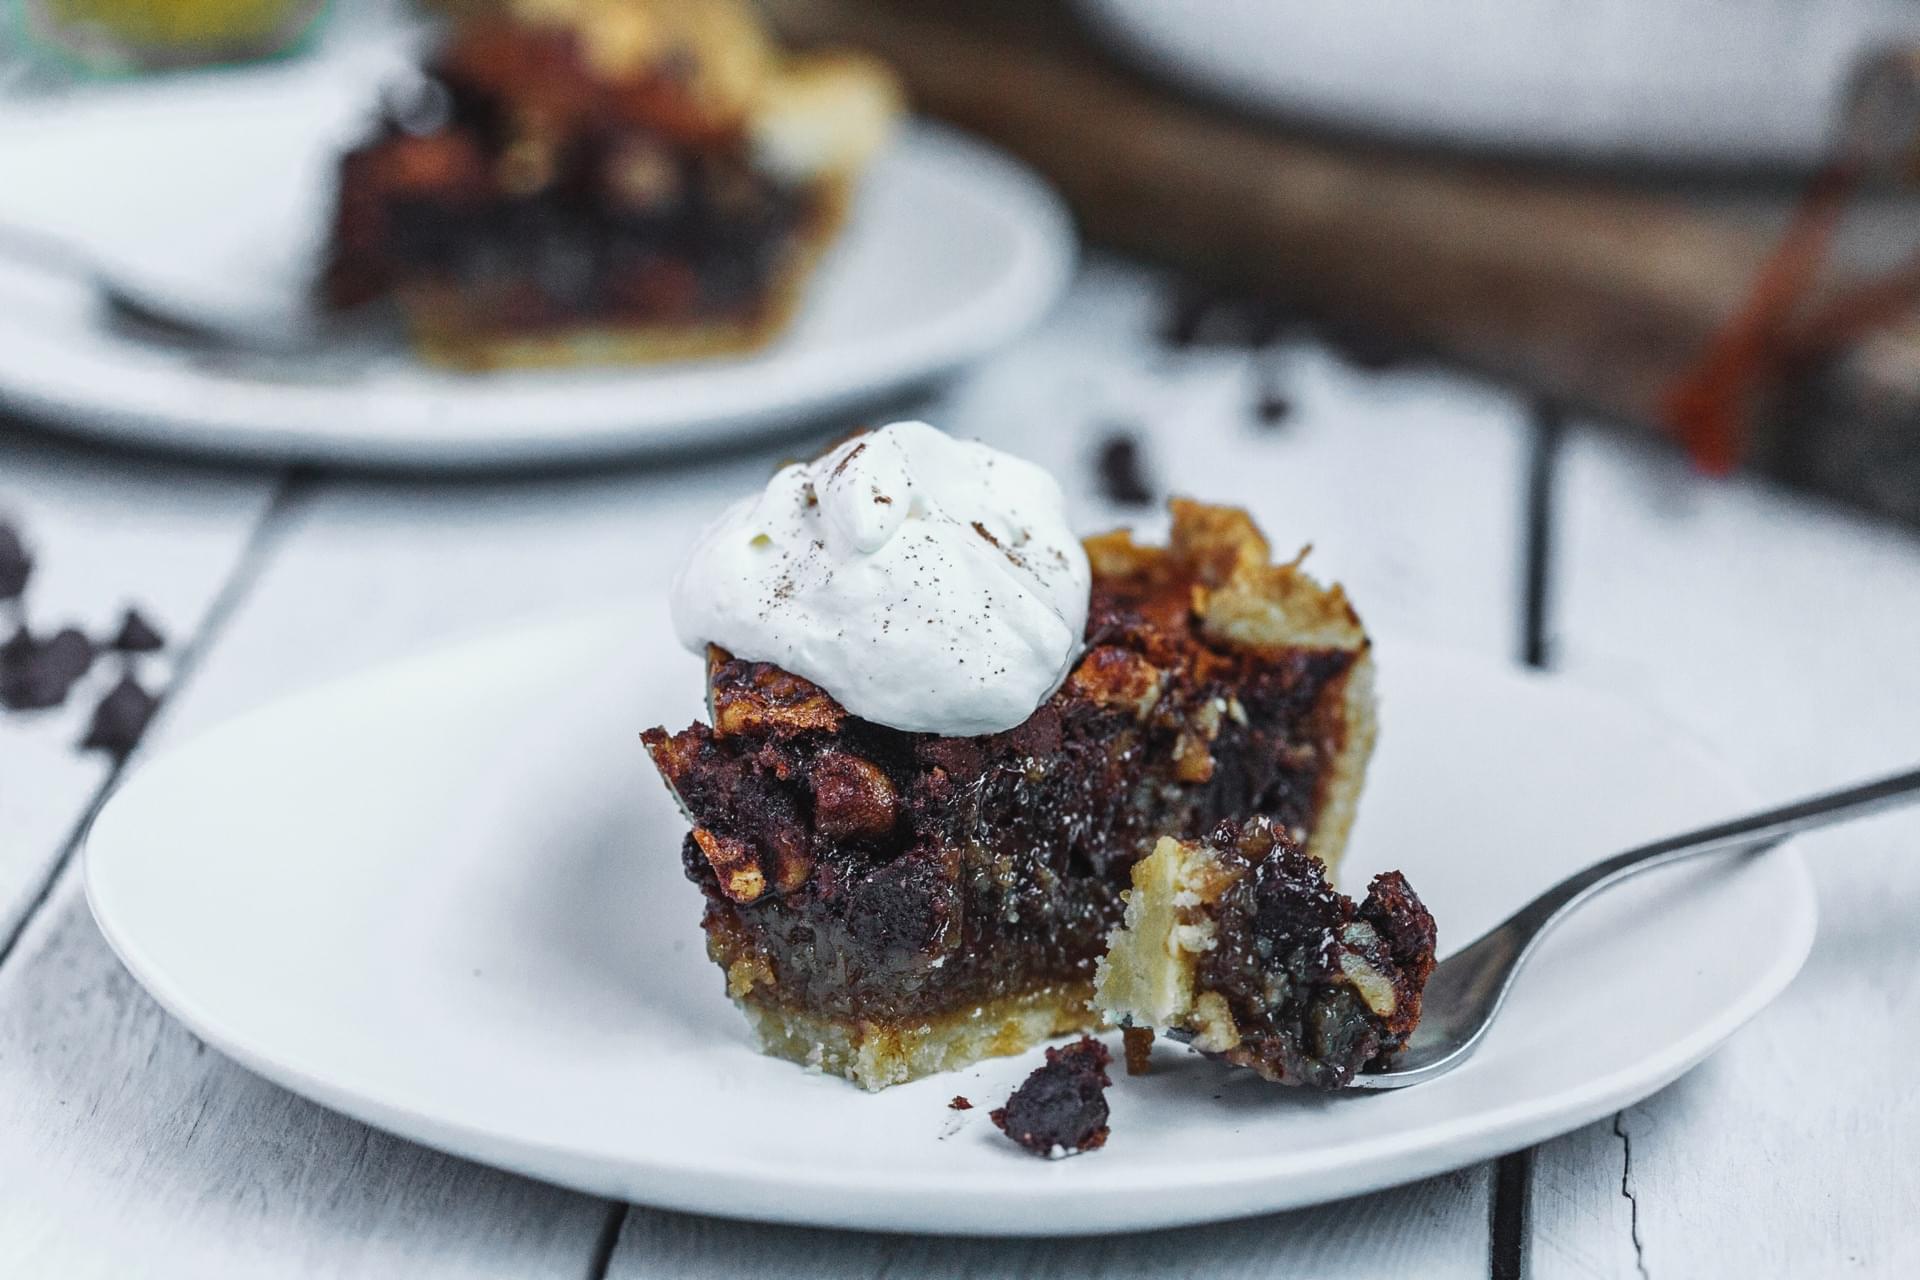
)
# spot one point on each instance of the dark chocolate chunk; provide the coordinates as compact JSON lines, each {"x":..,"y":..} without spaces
{"x":1186,"y":315}
{"x":1271,"y":405}
{"x":37,"y":674}
{"x":137,"y":635}
{"x":1120,"y":472}
{"x":120,"y":719}
{"x":1272,"y":408}
{"x":959,"y":1103}
{"x":1062,"y":1107}
{"x":16,"y":566}
{"x":69,"y":655}
{"x":18,"y":648}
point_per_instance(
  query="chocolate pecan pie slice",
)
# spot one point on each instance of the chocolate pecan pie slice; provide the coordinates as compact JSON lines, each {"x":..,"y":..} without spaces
{"x":594,"y":180}
{"x":888,"y":904}
{"x":1239,"y":945}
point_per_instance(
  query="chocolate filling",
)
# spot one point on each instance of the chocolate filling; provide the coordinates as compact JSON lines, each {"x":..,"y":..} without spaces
{"x":882,"y":875}
{"x":620,"y":214}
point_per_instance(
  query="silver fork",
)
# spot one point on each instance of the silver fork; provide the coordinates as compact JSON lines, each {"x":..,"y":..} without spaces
{"x":148,"y":316}
{"x":1465,"y":991}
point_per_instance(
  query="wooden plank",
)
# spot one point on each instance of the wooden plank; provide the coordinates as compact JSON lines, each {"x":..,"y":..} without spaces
{"x":126,"y":1148}
{"x":1403,"y":482}
{"x":1784,"y":633}
{"x":105,"y":534}
{"x":1406,"y":1231}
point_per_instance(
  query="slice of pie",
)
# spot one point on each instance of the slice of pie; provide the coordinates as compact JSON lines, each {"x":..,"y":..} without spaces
{"x":888,"y":904}
{"x":1239,"y":945}
{"x":604,"y":180}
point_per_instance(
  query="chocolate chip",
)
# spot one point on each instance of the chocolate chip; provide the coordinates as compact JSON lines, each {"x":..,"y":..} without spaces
{"x":1062,"y":1107}
{"x":137,"y":635}
{"x":905,"y":904}
{"x":18,"y":648}
{"x":1271,"y":405}
{"x":1272,"y":408}
{"x":69,"y":655}
{"x":120,"y":719}
{"x":37,"y":674}
{"x":1186,"y":315}
{"x":1120,"y":473}
{"x":16,"y":566}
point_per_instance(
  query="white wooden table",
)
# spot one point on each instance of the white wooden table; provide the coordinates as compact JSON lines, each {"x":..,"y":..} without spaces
{"x":1783,"y":632}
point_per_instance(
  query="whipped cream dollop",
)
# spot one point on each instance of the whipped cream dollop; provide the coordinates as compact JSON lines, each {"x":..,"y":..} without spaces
{"x":927,"y":583}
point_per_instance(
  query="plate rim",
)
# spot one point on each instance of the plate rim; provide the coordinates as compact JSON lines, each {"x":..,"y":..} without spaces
{"x":847,"y":1197}
{"x":1046,"y":252}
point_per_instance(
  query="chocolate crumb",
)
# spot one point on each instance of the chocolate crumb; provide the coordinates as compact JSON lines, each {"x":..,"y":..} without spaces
{"x":37,"y":674}
{"x":959,"y":1103}
{"x":1120,"y":471}
{"x":1138,"y":1044}
{"x":137,"y":635}
{"x":18,"y":648}
{"x":1271,"y":405}
{"x":1061,"y":1109}
{"x":16,"y":566}
{"x":1185,"y":316}
{"x":120,"y":719}
{"x":1272,"y":409}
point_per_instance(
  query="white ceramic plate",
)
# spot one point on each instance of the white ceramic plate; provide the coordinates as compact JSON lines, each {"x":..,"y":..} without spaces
{"x":210,"y":195}
{"x":445,"y":897}
{"x":1714,"y":82}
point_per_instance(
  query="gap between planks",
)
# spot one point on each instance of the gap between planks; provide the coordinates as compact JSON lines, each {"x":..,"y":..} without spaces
{"x":1509,"y":1216}
{"x":288,"y":490}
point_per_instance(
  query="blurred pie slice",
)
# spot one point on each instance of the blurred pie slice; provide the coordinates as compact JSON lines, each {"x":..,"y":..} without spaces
{"x":604,"y":180}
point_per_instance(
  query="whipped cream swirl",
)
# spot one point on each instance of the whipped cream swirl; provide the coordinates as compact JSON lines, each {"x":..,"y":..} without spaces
{"x":927,"y":583}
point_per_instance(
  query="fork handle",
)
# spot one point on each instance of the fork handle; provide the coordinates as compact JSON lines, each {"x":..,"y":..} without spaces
{"x":1755,"y":831}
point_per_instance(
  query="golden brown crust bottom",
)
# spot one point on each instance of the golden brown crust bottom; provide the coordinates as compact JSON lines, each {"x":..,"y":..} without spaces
{"x":875,"y":1055}
{"x":442,"y":333}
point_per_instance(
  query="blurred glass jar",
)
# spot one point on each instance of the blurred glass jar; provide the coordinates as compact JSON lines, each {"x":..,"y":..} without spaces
{"x":114,"y":36}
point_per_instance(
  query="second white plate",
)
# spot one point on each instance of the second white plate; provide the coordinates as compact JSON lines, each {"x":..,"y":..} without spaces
{"x":951,"y":251}
{"x":445,"y":897}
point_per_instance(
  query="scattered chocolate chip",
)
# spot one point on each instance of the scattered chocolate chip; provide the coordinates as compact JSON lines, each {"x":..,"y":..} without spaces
{"x":120,"y":719}
{"x":69,"y":655}
{"x":1271,"y":405}
{"x":16,"y":566}
{"x":1120,"y":473}
{"x":1186,"y":315}
{"x":1272,"y":408}
{"x":959,"y":1103}
{"x":37,"y":674}
{"x":1138,"y":1043}
{"x":1061,"y":1109}
{"x":137,"y":635}
{"x":18,"y":648}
